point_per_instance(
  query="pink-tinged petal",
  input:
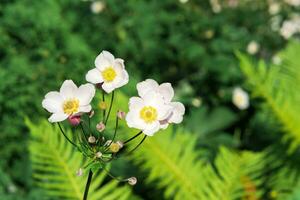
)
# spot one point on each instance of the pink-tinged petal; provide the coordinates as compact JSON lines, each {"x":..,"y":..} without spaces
{"x":94,"y":76}
{"x":85,"y":94}
{"x":68,"y":89}
{"x":135,"y":103}
{"x":177,"y":113}
{"x":57,"y":117}
{"x":167,"y":92}
{"x":119,"y":62}
{"x":121,"y":79}
{"x":145,"y":86}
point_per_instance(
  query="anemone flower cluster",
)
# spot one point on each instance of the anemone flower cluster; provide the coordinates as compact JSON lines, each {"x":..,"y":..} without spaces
{"x":153,"y":109}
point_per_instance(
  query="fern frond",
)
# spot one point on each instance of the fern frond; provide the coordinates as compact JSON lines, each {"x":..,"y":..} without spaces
{"x":54,"y":164}
{"x":175,"y":165}
{"x":279,"y":86}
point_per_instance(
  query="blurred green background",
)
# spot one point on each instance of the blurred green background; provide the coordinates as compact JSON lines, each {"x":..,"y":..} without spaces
{"x":204,"y":48}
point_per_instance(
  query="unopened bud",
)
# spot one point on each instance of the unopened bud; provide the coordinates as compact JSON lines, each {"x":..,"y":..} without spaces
{"x":102,"y":105}
{"x":91,"y":114}
{"x":74,"y":120}
{"x":98,"y":154}
{"x":132,"y":181}
{"x":121,"y":114}
{"x":79,"y":172}
{"x":100,"y":126}
{"x":114,"y":147}
{"x":108,"y":142}
{"x":92,"y":139}
{"x":121,"y":144}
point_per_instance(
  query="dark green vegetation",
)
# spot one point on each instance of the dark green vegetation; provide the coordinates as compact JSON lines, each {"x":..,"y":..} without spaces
{"x":218,"y":148}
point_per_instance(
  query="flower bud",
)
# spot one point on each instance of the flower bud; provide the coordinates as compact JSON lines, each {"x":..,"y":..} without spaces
{"x":102,"y":105}
{"x":98,"y":154}
{"x":108,"y":142}
{"x":121,"y":144}
{"x":121,"y":114}
{"x":132,"y":181}
{"x":100,"y":126}
{"x":79,"y":172}
{"x":92,"y":139}
{"x":74,"y":120}
{"x":114,"y":147}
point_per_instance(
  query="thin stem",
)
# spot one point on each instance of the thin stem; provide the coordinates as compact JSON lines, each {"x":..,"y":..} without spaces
{"x":103,"y":100}
{"x":113,"y":177}
{"x":115,"y":133}
{"x":137,"y":145}
{"x":87,"y":186}
{"x":139,"y":133}
{"x":66,"y":135}
{"x":110,"y":106}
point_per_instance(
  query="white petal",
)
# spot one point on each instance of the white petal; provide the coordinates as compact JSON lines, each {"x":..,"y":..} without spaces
{"x":107,"y":87}
{"x":103,"y":60}
{"x":151,"y":128}
{"x":177,"y":113}
{"x":85,"y":94}
{"x":85,"y":109}
{"x":163,"y":111}
{"x":153,"y":98}
{"x":53,"y":102}
{"x":166,"y":91}
{"x":119,"y":62}
{"x":135,"y":103}
{"x":133,"y":120}
{"x":68,"y":89}
{"x":164,"y":126}
{"x":57,"y":117}
{"x":121,"y":79}
{"x":145,"y":86}
{"x":94,"y":76}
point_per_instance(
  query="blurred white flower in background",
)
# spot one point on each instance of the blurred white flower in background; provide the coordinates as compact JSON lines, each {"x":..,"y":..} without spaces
{"x":233,"y":3}
{"x":240,"y":98}
{"x":183,"y":1}
{"x":276,"y":60}
{"x":216,"y":6}
{"x":97,"y":7}
{"x":293,"y":2}
{"x":290,"y":27}
{"x":69,"y":101}
{"x":274,"y":8}
{"x":197,"y":102}
{"x":109,"y":72}
{"x":253,"y":47}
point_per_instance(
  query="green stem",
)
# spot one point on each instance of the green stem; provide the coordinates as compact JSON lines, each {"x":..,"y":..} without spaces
{"x":66,"y":135}
{"x":103,"y":100}
{"x":139,"y":133}
{"x":87,"y":186}
{"x":137,"y":145}
{"x":110,"y":106}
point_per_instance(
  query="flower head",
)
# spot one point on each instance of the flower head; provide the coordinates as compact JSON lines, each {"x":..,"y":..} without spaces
{"x":69,"y":101}
{"x":166,"y":91}
{"x":132,"y":181}
{"x":109,"y":71}
{"x":240,"y":98}
{"x":253,"y":47}
{"x":147,"y":112}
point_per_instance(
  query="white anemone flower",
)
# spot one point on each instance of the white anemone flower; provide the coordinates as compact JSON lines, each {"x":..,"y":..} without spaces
{"x":240,"y":98}
{"x":109,"y":71}
{"x":147,"y":112}
{"x":166,"y":91}
{"x":69,"y":101}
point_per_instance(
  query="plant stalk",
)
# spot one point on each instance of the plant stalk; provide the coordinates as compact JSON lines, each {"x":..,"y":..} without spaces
{"x":87,"y":186}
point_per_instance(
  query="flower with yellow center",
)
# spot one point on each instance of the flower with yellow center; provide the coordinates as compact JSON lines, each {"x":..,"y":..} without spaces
{"x":240,"y":98}
{"x":145,"y":113}
{"x":69,"y":101}
{"x":167,"y":93}
{"x":109,"y":71}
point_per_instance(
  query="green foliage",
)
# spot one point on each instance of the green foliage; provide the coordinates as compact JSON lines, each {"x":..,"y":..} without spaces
{"x":55,"y":163}
{"x":279,"y":87}
{"x":175,"y":165}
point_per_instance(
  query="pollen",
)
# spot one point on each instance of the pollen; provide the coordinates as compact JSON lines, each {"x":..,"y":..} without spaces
{"x":148,"y":114}
{"x":109,"y":74}
{"x":71,"y":106}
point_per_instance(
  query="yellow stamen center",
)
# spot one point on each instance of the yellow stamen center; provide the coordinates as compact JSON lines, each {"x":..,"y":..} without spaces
{"x":109,"y":74}
{"x":71,"y":106}
{"x":148,"y":114}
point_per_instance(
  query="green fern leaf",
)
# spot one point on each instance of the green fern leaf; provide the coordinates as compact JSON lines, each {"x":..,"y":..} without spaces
{"x":54,"y":164}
